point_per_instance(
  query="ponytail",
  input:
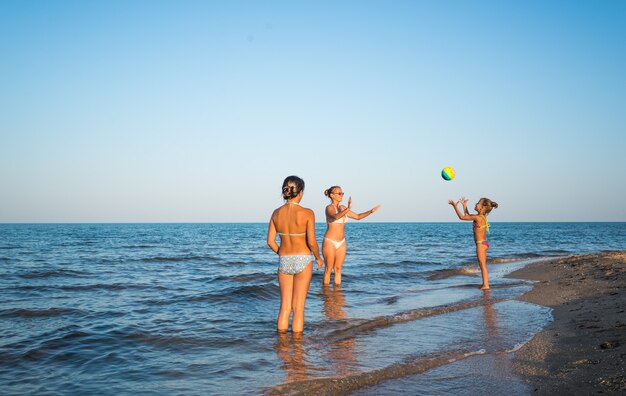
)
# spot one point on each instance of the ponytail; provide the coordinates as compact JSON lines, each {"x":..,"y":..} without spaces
{"x":292,"y":186}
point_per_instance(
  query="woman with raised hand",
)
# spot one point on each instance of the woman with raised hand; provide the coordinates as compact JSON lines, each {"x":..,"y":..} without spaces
{"x":334,"y":245}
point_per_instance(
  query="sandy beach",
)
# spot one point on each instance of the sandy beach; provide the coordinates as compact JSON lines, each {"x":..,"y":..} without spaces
{"x":583,"y":351}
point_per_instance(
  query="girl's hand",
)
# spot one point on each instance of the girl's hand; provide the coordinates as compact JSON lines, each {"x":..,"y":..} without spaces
{"x":463,"y":201}
{"x":451,"y":202}
{"x":350,"y":203}
{"x":375,"y":208}
{"x":320,"y":263}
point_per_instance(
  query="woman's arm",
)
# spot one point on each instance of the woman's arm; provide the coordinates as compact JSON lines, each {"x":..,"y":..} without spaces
{"x":341,"y":213}
{"x":359,"y":216}
{"x":271,"y":236}
{"x":463,"y":202}
{"x":458,"y":212}
{"x":311,"y":240}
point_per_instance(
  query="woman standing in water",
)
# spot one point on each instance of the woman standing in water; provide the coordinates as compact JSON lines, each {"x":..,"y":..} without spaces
{"x":296,"y":227}
{"x":334,"y":245}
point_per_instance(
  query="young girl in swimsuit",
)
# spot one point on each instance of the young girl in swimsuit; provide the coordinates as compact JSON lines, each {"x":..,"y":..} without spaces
{"x":334,"y":245}
{"x":481,"y":226}
{"x":296,"y":227}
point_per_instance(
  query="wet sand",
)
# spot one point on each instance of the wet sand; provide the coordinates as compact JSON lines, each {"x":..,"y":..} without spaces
{"x":583,"y":351}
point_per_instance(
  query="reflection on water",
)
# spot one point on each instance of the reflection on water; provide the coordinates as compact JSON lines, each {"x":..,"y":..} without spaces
{"x":334,"y":302}
{"x":489,"y":318}
{"x":340,"y":353}
{"x":493,"y":340}
{"x":294,"y":363}
{"x":334,"y":358}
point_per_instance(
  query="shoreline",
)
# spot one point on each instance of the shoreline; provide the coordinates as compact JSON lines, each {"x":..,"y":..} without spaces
{"x":583,"y":350}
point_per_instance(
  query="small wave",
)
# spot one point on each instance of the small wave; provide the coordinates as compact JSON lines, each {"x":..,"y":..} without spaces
{"x":556,"y":252}
{"x":529,"y":255}
{"x":138,"y":246}
{"x":171,"y":374}
{"x":380,"y":322}
{"x":178,"y":342}
{"x":48,"y":347}
{"x":114,"y":287}
{"x":500,"y":260}
{"x":516,"y":347}
{"x":236,"y":262}
{"x":88,"y":287}
{"x":405,"y":263}
{"x":245,"y":277}
{"x":266,"y":291}
{"x":390,"y":275}
{"x":38,"y":313}
{"x":449,"y":272}
{"x":53,"y":274}
{"x":347,"y":384}
{"x":175,"y":259}
{"x":60,"y":345}
{"x":389,"y":300}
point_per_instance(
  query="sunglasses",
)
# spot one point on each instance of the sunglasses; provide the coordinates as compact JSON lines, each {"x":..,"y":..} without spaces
{"x":338,"y":193}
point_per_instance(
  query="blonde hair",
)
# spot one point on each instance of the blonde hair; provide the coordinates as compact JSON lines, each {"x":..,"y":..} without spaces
{"x":488,"y":204}
{"x":329,"y":191}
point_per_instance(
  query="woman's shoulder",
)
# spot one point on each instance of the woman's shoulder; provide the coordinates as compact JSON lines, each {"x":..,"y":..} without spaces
{"x":307,"y":210}
{"x":276,"y":212}
{"x":305,"y":213}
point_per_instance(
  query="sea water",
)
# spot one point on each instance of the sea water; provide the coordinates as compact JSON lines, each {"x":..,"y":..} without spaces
{"x":190,"y":309}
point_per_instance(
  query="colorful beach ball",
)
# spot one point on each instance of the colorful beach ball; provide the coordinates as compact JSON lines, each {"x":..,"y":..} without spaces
{"x":447,"y":173}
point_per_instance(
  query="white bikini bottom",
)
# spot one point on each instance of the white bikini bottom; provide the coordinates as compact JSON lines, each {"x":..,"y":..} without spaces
{"x":335,"y":243}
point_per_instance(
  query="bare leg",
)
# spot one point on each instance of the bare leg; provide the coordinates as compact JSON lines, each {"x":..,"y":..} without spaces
{"x":328,"y":250}
{"x":481,"y":254}
{"x":286,"y":291}
{"x":340,"y":256}
{"x":301,"y":283}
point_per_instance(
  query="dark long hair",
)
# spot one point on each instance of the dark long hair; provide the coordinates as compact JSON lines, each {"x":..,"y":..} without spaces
{"x":292,"y":186}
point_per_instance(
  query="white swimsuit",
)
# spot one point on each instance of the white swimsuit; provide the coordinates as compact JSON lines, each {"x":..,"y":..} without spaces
{"x":335,"y":243}
{"x":343,"y":220}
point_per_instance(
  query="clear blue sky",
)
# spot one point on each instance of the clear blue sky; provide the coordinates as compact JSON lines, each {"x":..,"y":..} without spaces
{"x":195,"y":111}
